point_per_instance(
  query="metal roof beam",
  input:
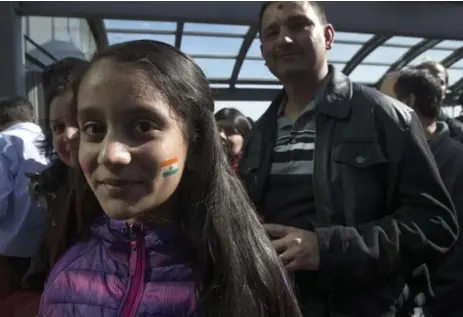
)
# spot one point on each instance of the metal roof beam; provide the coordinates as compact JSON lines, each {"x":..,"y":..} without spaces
{"x":364,"y":51}
{"x":247,"y":42}
{"x":244,"y":94}
{"x":364,"y":16}
{"x":179,"y":35}
{"x":98,"y":30}
{"x":453,"y":58}
{"x":456,"y":88}
{"x":410,"y":55}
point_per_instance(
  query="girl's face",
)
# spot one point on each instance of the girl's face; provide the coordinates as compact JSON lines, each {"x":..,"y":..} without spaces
{"x":63,"y":127}
{"x":132,"y":147}
{"x":232,"y":137}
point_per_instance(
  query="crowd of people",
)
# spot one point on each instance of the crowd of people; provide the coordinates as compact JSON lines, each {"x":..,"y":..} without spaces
{"x":135,"y":199}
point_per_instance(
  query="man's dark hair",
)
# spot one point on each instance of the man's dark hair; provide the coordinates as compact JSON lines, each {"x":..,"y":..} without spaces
{"x":15,"y":109}
{"x":426,"y":89}
{"x":316,"y":5}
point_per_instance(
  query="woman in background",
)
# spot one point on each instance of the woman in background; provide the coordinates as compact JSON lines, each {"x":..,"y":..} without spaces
{"x":51,"y":187}
{"x":235,"y":128}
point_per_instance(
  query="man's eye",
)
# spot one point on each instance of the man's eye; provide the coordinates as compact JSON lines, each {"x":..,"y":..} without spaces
{"x":93,"y":128}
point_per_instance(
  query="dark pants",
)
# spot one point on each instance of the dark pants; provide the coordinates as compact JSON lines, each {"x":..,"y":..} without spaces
{"x":12,"y":270}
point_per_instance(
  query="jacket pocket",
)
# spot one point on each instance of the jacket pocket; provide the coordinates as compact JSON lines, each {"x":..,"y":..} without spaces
{"x":360,"y":155}
{"x":359,"y":181}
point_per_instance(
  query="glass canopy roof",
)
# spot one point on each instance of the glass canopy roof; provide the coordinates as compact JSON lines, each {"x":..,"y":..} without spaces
{"x":230,"y":54}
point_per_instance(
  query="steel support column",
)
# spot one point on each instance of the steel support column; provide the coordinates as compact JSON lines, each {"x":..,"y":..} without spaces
{"x":12,"y":61}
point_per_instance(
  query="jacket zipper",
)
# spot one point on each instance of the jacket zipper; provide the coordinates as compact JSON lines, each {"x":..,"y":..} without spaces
{"x":137,"y":266}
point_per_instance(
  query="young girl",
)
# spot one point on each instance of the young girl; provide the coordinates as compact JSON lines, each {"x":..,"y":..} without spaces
{"x":234,"y":129}
{"x":172,"y":232}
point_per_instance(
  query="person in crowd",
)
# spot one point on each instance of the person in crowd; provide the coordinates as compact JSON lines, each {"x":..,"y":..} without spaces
{"x":460,"y":102}
{"x":21,"y":220}
{"x":173,"y":232}
{"x":440,"y":72}
{"x":421,"y":90}
{"x":234,"y":128}
{"x":386,"y":86}
{"x":52,"y":185}
{"x":342,"y":176}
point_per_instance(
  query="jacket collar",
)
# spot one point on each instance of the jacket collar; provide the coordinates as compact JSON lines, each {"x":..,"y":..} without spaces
{"x":335,"y":103}
{"x":442,"y":132}
{"x":337,"y":100}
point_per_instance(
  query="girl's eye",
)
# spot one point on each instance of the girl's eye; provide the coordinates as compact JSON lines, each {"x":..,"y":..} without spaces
{"x":57,"y":128}
{"x":93,"y":128}
{"x":145,"y":126}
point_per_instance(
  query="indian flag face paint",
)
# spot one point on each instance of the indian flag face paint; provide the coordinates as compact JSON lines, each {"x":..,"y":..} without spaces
{"x":169,"y":167}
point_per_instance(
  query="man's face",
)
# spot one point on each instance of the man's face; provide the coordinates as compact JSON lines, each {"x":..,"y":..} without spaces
{"x":294,"y":40}
{"x":441,"y":75}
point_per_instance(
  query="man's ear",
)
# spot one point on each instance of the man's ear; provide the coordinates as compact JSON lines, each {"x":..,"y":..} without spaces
{"x":329,"y":36}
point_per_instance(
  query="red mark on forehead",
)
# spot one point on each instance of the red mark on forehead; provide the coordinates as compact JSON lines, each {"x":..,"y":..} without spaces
{"x":280,"y":6}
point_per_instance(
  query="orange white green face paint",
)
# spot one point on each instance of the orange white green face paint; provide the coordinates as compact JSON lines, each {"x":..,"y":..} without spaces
{"x":169,"y":167}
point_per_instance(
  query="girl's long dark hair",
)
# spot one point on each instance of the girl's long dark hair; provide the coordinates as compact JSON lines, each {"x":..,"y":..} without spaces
{"x":234,"y":119}
{"x":238,"y":272}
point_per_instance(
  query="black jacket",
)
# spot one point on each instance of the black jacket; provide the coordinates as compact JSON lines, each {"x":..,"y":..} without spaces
{"x":447,"y":280}
{"x":53,"y":184}
{"x":455,"y":127}
{"x":382,"y":209}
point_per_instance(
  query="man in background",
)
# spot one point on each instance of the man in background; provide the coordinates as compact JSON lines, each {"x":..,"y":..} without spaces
{"x":422,"y":91}
{"x":21,"y":221}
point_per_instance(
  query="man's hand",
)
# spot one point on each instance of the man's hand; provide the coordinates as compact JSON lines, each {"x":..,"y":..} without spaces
{"x":298,"y":249}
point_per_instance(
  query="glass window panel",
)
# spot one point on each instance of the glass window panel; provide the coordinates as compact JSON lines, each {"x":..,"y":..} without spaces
{"x":339,"y":67}
{"x":216,"y":68}
{"x":218,"y":86}
{"x":40,"y":29}
{"x":38,"y":54}
{"x":454,"y":75}
{"x":140,"y":25}
{"x":208,"y":45}
{"x":403,"y":40}
{"x":450,"y":44}
{"x":254,"y":49}
{"x":343,"y":52}
{"x":348,"y":36}
{"x":246,"y":86}
{"x":255,"y":70}
{"x":384,"y":54}
{"x":430,"y":55}
{"x":24,"y":24}
{"x":215,"y":28}
{"x":114,"y":38}
{"x":367,"y":74}
{"x":458,"y":64}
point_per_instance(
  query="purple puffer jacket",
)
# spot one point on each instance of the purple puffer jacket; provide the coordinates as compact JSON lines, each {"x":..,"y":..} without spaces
{"x":121,"y":272}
